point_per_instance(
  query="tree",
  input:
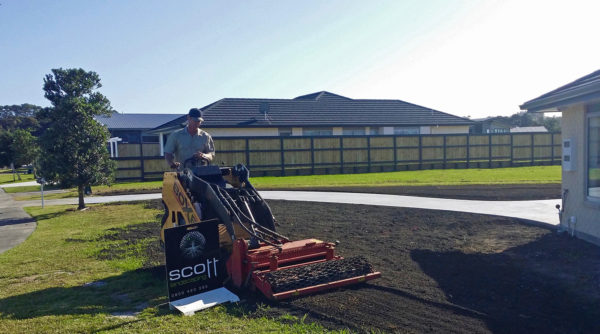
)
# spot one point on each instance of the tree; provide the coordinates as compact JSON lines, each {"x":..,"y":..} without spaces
{"x":5,"y":148}
{"x":553,"y":124}
{"x":522,"y":119}
{"x":22,"y":116}
{"x":17,"y":148}
{"x":73,"y":147}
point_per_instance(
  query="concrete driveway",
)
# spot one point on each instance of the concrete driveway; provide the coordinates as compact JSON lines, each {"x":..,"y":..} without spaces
{"x":16,"y":225}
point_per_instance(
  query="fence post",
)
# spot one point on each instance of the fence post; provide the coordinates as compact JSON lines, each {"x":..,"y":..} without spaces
{"x":395,"y":153}
{"x":282,"y":156}
{"x":248,"y":153}
{"x":512,"y":157}
{"x":468,"y":151}
{"x":141,"y":159}
{"x":551,"y":149}
{"x":369,"y":154}
{"x":532,"y":155}
{"x":420,"y":152}
{"x":341,"y":155}
{"x":444,"y":151}
{"x":312,"y":155}
{"x":490,"y":150}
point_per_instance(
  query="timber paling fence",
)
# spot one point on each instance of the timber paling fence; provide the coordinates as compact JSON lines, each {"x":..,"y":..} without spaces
{"x":279,"y":156}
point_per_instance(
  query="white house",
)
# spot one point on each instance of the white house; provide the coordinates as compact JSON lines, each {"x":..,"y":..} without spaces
{"x":579,"y":102}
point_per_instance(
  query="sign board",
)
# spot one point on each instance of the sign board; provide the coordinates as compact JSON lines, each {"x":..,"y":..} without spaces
{"x":193,"y":260}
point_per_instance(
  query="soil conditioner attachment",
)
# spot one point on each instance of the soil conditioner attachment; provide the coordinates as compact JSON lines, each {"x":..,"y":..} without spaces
{"x":254,"y":255}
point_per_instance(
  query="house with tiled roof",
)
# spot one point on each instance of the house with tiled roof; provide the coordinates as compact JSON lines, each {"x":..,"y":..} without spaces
{"x":321,"y":113}
{"x":579,"y":103}
{"x":529,"y":129}
{"x":133,"y":128}
{"x":317,"y":114}
{"x":490,"y":125}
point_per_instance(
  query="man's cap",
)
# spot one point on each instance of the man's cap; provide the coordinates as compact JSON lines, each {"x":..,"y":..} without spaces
{"x":195,"y":114}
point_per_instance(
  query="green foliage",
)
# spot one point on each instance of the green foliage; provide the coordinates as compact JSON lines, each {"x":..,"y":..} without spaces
{"x":73,"y":146}
{"x":523,"y":119}
{"x":19,"y":117}
{"x":17,"y":147}
{"x":553,"y":124}
{"x":5,"y":150}
{"x":24,"y":146}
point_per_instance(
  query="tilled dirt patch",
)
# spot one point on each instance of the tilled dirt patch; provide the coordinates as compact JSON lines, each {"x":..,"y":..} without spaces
{"x":444,"y":272}
{"x":450,"y":272}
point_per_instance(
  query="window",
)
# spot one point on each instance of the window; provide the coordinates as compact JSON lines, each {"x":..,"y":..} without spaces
{"x":285,"y":132}
{"x":317,"y":132}
{"x":406,"y":130}
{"x":373,"y":131}
{"x":353,"y":131}
{"x":593,"y":151}
{"x":149,"y":139}
{"x":127,"y":137}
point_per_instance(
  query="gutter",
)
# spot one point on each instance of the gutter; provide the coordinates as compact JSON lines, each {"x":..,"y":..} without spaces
{"x":584,"y":92}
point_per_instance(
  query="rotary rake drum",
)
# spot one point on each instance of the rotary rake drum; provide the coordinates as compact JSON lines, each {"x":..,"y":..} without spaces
{"x":257,"y":257}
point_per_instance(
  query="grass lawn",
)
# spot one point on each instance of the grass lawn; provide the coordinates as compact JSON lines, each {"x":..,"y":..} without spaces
{"x":517,"y":175}
{"x":74,"y":275}
{"x":6,"y":176}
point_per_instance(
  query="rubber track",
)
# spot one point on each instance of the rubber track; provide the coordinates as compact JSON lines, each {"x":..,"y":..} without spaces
{"x":317,"y":273}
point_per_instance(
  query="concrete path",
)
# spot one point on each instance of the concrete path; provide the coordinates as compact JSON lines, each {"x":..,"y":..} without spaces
{"x":16,"y":225}
{"x":19,"y":184}
{"x":542,"y":211}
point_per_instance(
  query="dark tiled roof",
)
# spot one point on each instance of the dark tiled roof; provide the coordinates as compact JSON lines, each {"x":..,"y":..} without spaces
{"x":582,"y":89}
{"x":320,"y":109}
{"x":136,"y":121}
{"x":322,"y":96}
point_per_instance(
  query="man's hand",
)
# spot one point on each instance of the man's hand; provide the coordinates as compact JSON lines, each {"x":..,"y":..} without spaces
{"x":175,"y":165}
{"x":200,"y":155}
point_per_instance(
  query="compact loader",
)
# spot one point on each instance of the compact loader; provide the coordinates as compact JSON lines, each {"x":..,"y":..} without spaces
{"x":257,"y":256}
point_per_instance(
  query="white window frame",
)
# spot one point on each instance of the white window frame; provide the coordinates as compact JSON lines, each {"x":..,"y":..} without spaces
{"x":310,"y":132}
{"x":407,"y":130}
{"x":353,"y":131}
{"x":593,"y":111}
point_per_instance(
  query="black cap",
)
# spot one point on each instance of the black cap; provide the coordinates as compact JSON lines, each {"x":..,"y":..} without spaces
{"x":196,"y":115}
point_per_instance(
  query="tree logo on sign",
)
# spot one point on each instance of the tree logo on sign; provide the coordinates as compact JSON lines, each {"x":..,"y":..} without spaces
{"x":192,"y":244}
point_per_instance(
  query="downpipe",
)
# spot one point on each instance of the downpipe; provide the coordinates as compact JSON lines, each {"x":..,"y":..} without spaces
{"x":568,"y":226}
{"x":561,"y":210}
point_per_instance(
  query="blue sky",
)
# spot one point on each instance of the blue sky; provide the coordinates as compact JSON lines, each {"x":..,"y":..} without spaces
{"x":468,"y":58}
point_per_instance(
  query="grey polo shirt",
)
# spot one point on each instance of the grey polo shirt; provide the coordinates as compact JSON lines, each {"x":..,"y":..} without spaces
{"x":184,"y":146}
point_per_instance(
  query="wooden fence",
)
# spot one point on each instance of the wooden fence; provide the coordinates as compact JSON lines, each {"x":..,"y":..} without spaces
{"x":357,"y":154}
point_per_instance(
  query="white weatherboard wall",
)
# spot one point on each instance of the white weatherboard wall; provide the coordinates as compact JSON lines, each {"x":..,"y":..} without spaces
{"x":242,"y":132}
{"x":586,"y":212}
{"x":438,"y":130}
{"x":337,"y":131}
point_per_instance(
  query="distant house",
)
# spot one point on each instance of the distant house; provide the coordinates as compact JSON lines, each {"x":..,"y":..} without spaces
{"x":579,"y":102}
{"x":521,"y":129}
{"x":321,"y":114}
{"x":136,"y":129}
{"x":489,"y":125}
{"x":317,"y":114}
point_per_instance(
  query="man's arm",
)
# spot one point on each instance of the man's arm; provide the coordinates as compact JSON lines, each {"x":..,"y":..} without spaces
{"x":208,"y":151}
{"x":169,"y":149}
{"x":171,"y":160}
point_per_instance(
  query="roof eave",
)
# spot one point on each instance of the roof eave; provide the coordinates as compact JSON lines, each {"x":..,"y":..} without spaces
{"x":561,"y":99}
